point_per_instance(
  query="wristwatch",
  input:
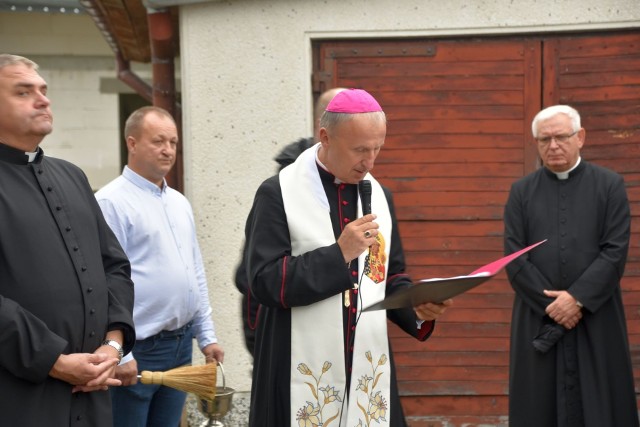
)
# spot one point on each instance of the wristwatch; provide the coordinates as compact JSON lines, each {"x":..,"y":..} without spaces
{"x":115,"y":345}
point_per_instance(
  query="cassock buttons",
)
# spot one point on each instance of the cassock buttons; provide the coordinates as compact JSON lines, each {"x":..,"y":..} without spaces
{"x":75,"y":248}
{"x":68,"y":228}
{"x":354,"y":273}
{"x":89,"y":290}
{"x":92,"y":311}
{"x":92,"y":334}
{"x":83,"y":268}
{"x":49,"y":189}
{"x":58,"y":208}
{"x":346,"y":220}
{"x":345,"y":203}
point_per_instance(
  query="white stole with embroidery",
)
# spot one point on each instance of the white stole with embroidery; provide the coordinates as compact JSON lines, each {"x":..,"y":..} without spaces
{"x":318,"y":378}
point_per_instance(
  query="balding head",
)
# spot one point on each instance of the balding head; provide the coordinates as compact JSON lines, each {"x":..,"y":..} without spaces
{"x":321,"y":104}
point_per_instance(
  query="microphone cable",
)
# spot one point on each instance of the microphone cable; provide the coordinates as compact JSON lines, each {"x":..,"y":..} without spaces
{"x":355,"y":324}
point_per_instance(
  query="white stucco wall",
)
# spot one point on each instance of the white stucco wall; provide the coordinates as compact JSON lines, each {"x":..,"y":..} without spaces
{"x":247,"y":92}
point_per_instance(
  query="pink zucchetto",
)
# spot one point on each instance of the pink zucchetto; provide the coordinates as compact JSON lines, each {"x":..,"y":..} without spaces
{"x":353,"y":101}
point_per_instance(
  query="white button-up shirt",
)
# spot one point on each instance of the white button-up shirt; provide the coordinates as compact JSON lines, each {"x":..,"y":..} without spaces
{"x":156,"y":229}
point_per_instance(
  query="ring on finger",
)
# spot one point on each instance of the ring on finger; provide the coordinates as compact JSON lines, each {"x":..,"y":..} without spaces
{"x":367,"y":234}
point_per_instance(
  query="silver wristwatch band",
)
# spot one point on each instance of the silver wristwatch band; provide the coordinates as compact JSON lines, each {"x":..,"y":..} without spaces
{"x":115,"y":345}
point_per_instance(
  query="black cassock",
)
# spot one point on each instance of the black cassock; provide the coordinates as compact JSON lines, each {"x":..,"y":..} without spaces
{"x":586,"y":378}
{"x":64,"y":282}
{"x":309,"y":278}
{"x":250,"y":306}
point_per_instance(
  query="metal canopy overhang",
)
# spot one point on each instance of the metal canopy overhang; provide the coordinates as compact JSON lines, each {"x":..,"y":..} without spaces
{"x":123,"y":23}
{"x":144,"y":31}
{"x":42,"y":6}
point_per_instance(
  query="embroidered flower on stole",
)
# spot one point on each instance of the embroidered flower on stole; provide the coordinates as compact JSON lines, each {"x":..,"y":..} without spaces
{"x":312,"y":414}
{"x":377,"y":406}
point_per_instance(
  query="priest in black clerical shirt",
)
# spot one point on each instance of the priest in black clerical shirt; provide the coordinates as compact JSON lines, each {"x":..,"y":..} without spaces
{"x":569,"y":359}
{"x":66,"y":298}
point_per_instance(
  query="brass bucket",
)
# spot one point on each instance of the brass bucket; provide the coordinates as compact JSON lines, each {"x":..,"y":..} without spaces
{"x":217,"y":408}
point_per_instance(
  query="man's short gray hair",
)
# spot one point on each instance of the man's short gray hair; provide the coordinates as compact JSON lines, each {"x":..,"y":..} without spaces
{"x":6,"y":59}
{"x":329,"y":120}
{"x":552,"y":111}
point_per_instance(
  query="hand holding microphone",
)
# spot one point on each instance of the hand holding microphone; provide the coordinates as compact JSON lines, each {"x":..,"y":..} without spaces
{"x":358,"y":235}
{"x":364,"y":189}
{"x":353,"y":240}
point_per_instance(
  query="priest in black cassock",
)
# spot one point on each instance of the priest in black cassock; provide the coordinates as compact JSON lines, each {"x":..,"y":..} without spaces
{"x":66,"y":298}
{"x":569,"y":362}
{"x":313,"y":262}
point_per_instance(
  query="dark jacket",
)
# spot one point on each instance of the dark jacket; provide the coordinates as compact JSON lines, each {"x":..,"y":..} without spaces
{"x":64,"y":282}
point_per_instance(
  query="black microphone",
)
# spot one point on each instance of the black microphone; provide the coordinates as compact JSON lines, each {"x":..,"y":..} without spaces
{"x":364,"y":188}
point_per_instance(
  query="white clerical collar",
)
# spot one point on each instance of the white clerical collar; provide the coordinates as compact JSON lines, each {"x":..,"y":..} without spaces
{"x":564,"y":175}
{"x":31,"y":155}
{"x":336,"y":180}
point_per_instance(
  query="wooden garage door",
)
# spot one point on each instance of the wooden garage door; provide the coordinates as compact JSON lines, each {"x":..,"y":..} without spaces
{"x":459,"y":114}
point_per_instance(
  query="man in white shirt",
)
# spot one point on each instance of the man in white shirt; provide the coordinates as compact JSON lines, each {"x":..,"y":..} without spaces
{"x":155,"y":226}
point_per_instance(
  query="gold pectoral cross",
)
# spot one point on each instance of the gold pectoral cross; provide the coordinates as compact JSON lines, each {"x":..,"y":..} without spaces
{"x":347,"y":295}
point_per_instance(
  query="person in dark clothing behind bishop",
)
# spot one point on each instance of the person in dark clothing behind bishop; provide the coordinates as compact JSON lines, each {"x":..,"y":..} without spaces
{"x":66,"y":297}
{"x":285,"y":157}
{"x":569,"y":362}
{"x":319,"y":359}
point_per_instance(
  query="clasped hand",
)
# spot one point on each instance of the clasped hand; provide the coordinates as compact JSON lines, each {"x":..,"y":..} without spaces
{"x":86,"y":371}
{"x":564,"y":309}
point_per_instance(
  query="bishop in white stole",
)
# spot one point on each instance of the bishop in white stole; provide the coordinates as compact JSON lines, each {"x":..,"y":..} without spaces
{"x":318,"y":378}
